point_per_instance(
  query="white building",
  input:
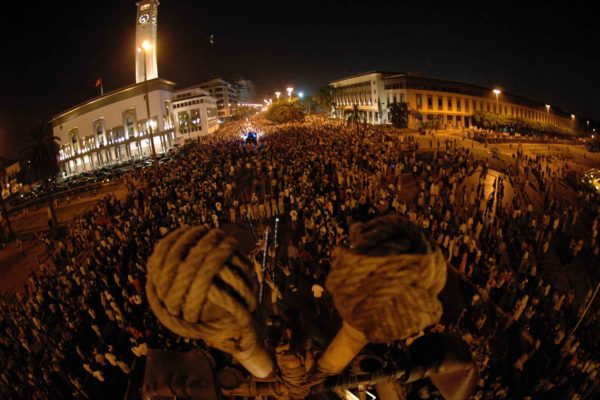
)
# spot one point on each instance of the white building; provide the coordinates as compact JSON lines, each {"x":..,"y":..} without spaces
{"x":246,"y":90}
{"x":195,"y":112}
{"x":448,"y":104}
{"x":366,"y":91}
{"x":119,"y":125}
{"x":226,"y":95}
{"x":115,"y":127}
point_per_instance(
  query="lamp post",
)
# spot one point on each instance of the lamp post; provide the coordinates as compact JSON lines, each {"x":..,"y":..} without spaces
{"x":497,"y":93}
{"x":277,"y":94}
{"x":289,"y":91}
{"x":143,"y":48}
{"x":548,"y":111}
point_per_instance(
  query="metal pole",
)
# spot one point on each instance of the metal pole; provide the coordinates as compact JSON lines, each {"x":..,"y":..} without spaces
{"x":264,"y":267}
{"x":586,"y":309}
{"x":274,"y":249}
{"x":148,"y":124}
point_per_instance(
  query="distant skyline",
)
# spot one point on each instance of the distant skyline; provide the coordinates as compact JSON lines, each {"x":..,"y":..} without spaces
{"x":53,"y":52}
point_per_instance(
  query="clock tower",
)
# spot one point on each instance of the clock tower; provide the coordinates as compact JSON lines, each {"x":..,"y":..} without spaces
{"x":145,"y":35}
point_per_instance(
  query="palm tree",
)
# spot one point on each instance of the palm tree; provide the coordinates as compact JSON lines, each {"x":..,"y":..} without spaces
{"x":11,"y":233}
{"x":325,"y":99}
{"x":41,"y":159}
{"x":354,"y":117}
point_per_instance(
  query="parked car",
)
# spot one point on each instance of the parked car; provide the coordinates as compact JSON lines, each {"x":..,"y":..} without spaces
{"x":591,"y":180}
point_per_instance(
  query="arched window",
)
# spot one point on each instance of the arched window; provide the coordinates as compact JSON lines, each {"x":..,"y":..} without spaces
{"x":100,"y":135}
{"x":74,"y":141}
{"x":129,"y":126}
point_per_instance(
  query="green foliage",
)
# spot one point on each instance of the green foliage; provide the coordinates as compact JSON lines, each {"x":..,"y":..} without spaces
{"x":399,"y":113}
{"x":243,"y":112}
{"x":285,"y":111}
{"x":353,"y":116}
{"x":495,"y":121}
{"x":41,"y":153}
{"x":5,"y":215}
{"x":324,"y":99}
{"x":40,"y":157}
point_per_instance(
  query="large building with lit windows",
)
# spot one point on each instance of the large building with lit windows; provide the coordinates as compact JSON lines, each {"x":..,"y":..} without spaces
{"x":115,"y":127}
{"x":195,"y":112}
{"x":226,"y":95}
{"x":246,"y":90}
{"x":120,"y":125}
{"x":448,"y":104}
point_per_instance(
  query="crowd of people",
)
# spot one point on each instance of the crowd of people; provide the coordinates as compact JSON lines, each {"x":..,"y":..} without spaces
{"x":494,"y":136}
{"x":83,"y":325}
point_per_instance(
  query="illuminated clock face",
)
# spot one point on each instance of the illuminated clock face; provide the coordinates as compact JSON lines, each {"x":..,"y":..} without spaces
{"x":144,"y":18}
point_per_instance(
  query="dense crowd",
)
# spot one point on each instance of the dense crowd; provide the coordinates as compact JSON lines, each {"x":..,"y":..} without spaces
{"x":493,"y":136}
{"x":84,"y":325}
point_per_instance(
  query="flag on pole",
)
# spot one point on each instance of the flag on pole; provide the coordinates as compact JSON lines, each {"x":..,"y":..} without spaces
{"x":99,"y":83}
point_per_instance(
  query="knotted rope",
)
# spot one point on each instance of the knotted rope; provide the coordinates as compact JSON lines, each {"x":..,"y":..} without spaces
{"x":199,"y":287}
{"x":386,"y":284}
{"x":294,"y":376}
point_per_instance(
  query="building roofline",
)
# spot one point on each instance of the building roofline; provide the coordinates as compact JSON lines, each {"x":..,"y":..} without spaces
{"x":364,"y":73}
{"x":111,"y":97}
{"x":485,"y":88}
{"x":391,"y":75}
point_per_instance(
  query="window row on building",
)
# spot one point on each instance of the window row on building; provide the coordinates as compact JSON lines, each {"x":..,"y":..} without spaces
{"x":374,"y":92}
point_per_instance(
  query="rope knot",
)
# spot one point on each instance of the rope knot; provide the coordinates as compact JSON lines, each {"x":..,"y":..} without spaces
{"x":386,"y":284}
{"x":200,"y":287}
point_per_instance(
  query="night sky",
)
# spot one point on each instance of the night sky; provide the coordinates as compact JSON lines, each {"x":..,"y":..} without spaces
{"x":53,"y":51}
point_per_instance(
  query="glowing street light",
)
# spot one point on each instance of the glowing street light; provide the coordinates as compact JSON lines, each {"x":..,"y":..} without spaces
{"x":548,"y":108}
{"x":572,"y":116}
{"x":497,"y":93}
{"x":301,"y":95}
{"x":289,"y":91}
{"x":277,"y":94}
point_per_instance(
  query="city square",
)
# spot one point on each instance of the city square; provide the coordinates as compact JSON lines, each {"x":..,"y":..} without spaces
{"x":383,"y":235}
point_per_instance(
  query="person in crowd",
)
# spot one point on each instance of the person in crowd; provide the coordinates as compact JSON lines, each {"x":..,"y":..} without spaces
{"x":84,"y":319}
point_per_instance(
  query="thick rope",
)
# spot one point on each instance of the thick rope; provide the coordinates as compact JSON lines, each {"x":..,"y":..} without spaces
{"x":200,"y":288}
{"x":294,"y":376}
{"x":386,"y":295}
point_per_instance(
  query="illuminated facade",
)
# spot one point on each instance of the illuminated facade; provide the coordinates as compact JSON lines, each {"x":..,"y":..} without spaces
{"x":146,"y":33}
{"x":195,"y":112}
{"x":447,"y":104}
{"x":115,"y":127}
{"x":119,"y":125}
{"x":246,"y":90}
{"x":226,"y":95}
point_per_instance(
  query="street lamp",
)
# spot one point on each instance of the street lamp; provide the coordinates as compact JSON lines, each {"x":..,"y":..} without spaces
{"x":277,"y":94}
{"x":143,"y":49}
{"x":300,"y":95}
{"x":290,"y":90}
{"x":497,"y":93}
